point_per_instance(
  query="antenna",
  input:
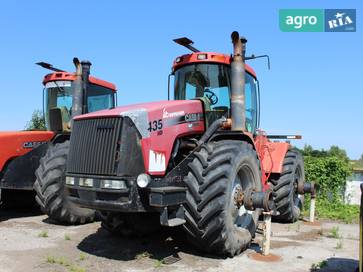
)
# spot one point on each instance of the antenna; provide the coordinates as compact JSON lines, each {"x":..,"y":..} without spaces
{"x":261,"y":56}
{"x":49,"y":66}
{"x":184,"y":41}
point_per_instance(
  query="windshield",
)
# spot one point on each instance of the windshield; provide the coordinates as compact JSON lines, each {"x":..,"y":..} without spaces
{"x":58,"y":94}
{"x":210,"y":82}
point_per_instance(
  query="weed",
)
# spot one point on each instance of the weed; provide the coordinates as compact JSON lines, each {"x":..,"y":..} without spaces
{"x":158,"y":263}
{"x":51,"y":260}
{"x":66,"y":263}
{"x":67,"y":237}
{"x":82,"y":257}
{"x":339,"y":244}
{"x":334,"y":232}
{"x":43,"y":234}
{"x":142,"y":255}
{"x":319,"y":265}
{"x":75,"y":268}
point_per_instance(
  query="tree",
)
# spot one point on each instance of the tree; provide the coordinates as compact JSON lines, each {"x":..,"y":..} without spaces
{"x":335,"y":151}
{"x":37,"y":122}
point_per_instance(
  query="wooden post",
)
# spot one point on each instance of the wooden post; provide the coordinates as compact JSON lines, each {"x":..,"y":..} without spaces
{"x":312,"y":210}
{"x":266,"y":241}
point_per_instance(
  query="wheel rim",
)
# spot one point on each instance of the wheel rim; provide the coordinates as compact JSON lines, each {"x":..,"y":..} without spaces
{"x":242,"y":218}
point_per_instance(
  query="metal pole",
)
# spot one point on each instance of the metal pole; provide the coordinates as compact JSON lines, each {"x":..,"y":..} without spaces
{"x":266,"y":241}
{"x":312,"y":210}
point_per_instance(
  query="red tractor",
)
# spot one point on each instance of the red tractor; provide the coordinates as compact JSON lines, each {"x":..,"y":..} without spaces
{"x":198,"y":160}
{"x":65,"y":95}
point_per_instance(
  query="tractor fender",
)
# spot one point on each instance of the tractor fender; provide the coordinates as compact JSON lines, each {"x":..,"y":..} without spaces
{"x":233,"y":135}
{"x":17,"y":143}
{"x":273,"y":156}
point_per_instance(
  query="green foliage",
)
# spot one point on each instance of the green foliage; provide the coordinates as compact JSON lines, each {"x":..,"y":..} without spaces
{"x":37,"y":122}
{"x":337,"y":211}
{"x":329,"y":170}
{"x":330,"y":173}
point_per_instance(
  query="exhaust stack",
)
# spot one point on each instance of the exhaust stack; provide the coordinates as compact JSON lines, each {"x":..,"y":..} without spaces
{"x":79,"y":86}
{"x":86,"y":67}
{"x":238,"y":113}
{"x":77,"y":96}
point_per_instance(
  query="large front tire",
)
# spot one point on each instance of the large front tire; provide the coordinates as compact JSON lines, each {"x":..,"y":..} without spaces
{"x":50,"y":188}
{"x":216,"y":221}
{"x":287,"y":201}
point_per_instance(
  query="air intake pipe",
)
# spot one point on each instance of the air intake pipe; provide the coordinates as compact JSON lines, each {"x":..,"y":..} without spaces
{"x":238,"y":113}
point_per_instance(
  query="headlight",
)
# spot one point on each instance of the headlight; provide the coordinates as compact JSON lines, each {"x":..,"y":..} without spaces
{"x":113,"y":184}
{"x":86,"y":182}
{"x":143,"y":180}
{"x":70,"y":180}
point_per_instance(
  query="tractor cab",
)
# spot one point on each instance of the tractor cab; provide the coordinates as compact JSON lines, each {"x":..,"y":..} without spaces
{"x":58,"y":98}
{"x":207,"y":76}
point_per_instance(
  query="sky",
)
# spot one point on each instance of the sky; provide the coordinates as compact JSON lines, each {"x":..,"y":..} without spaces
{"x":314,"y":87}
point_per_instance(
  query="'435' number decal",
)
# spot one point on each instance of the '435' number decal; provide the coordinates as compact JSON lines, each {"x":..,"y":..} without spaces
{"x":155,"y":125}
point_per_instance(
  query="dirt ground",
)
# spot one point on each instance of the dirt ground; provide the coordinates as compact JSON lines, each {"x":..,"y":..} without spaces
{"x":28,"y":242}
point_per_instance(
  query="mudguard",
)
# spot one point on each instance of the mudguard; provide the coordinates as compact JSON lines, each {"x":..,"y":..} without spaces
{"x":17,"y":143}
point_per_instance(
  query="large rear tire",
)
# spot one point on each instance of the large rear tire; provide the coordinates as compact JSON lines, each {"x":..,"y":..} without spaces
{"x":287,"y":201}
{"x":50,"y":188}
{"x":216,"y":221}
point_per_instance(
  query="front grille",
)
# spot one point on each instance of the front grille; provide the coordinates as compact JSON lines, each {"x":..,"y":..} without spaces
{"x":94,"y":145}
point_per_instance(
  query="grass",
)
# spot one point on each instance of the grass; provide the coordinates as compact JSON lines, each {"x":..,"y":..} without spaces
{"x":319,"y":265}
{"x":67,"y":237}
{"x":334,"y":210}
{"x":43,"y":234}
{"x":65,"y":263}
{"x":334,"y":232}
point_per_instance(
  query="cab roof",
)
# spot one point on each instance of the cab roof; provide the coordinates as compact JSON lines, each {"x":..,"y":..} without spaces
{"x":209,"y":57}
{"x":71,"y":76}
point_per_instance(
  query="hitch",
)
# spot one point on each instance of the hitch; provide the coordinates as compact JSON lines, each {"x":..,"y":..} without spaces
{"x":253,"y":200}
{"x":306,"y":188}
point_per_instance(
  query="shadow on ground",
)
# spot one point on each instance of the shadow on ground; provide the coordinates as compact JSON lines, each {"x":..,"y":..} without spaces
{"x":156,"y":246}
{"x":7,"y":213}
{"x":336,"y":265}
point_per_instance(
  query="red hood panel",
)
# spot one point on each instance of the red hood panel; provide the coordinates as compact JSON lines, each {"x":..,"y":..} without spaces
{"x":149,"y":107}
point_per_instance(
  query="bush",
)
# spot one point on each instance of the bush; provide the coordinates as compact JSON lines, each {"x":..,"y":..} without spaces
{"x":329,"y":170}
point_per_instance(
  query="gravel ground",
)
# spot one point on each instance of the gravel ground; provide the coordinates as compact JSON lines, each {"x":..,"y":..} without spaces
{"x":29,"y":242}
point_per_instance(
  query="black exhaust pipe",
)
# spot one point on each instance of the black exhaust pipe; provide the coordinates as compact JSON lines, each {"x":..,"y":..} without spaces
{"x":86,"y":68}
{"x":77,"y":88}
{"x":80,"y":86}
{"x":238,"y":114}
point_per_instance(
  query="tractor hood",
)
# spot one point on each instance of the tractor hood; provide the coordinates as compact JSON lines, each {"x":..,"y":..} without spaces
{"x":159,"y":125}
{"x":154,"y":116}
